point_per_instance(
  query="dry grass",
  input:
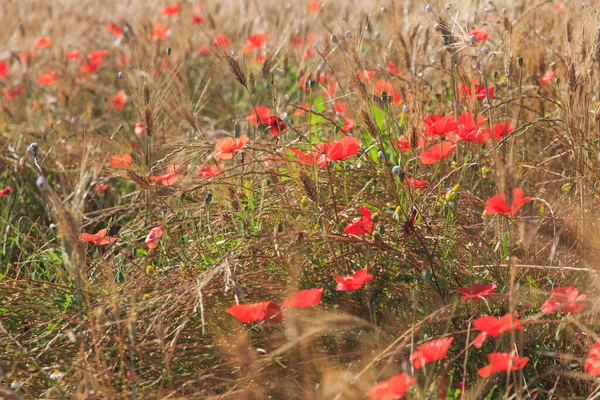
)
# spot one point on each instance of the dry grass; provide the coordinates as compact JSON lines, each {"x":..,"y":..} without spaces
{"x":125,"y":321}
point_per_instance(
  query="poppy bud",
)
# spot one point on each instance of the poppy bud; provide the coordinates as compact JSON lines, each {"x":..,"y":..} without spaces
{"x":520,"y":61}
{"x":341,"y":226}
{"x":208,"y":199}
{"x":381,"y":229}
{"x":485,"y":50}
{"x":375,"y":217}
{"x":557,"y":81}
{"x":120,"y":75}
{"x":405,"y":109}
{"x":150,"y":270}
{"x":168,"y":51}
{"x":426,"y":276}
{"x":333,"y":39}
{"x":381,"y":155}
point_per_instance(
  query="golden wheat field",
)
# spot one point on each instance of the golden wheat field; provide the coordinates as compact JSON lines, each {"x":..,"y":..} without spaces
{"x":303,"y":199}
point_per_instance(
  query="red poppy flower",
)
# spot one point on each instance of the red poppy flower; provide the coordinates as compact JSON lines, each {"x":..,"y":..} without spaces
{"x":140,"y":127}
{"x":477,"y":292}
{"x":96,"y":56}
{"x":497,"y":204}
{"x":73,"y":55}
{"x":409,"y":225}
{"x":313,"y":6}
{"x":221,"y":40}
{"x":383,"y":86}
{"x":42,"y":43}
{"x":88,"y":67}
{"x":154,"y":236}
{"x":392,"y":389}
{"x":228,"y":146}
{"x":196,"y":19}
{"x":98,"y":238}
{"x":48,"y":78}
{"x":354,"y":281}
{"x":340,"y":108}
{"x":360,"y":226}
{"x":118,"y":100}
{"x":304,"y":298}
{"x":479,"y":91}
{"x":261,"y":311}
{"x":114,"y":28}
{"x":393,"y":69}
{"x":547,"y":78}
{"x":304,"y":157}
{"x":436,"y":125}
{"x":468,"y":130}
{"x":566,"y":299}
{"x":264,"y":115}
{"x":202,"y":49}
{"x":255,"y":42}
{"x":349,"y":124}
{"x":500,"y":130}
{"x":10,"y":94}
{"x":479,"y":34}
{"x":159,"y":32}
{"x":492,"y":326}
{"x":171,"y":9}
{"x":6,"y":191}
{"x":416,"y":183}
{"x":100,"y":188}
{"x":592,"y":362}
{"x":502,"y":362}
{"x":366,"y":76}
{"x":431,"y":351}
{"x":170,"y":177}
{"x":277,"y":125}
{"x":404,"y":143}
{"x":123,"y":161}
{"x":437,"y":152}
{"x":339,"y":150}
{"x":561,"y":9}
{"x":210,"y":170}
{"x":3,"y":69}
